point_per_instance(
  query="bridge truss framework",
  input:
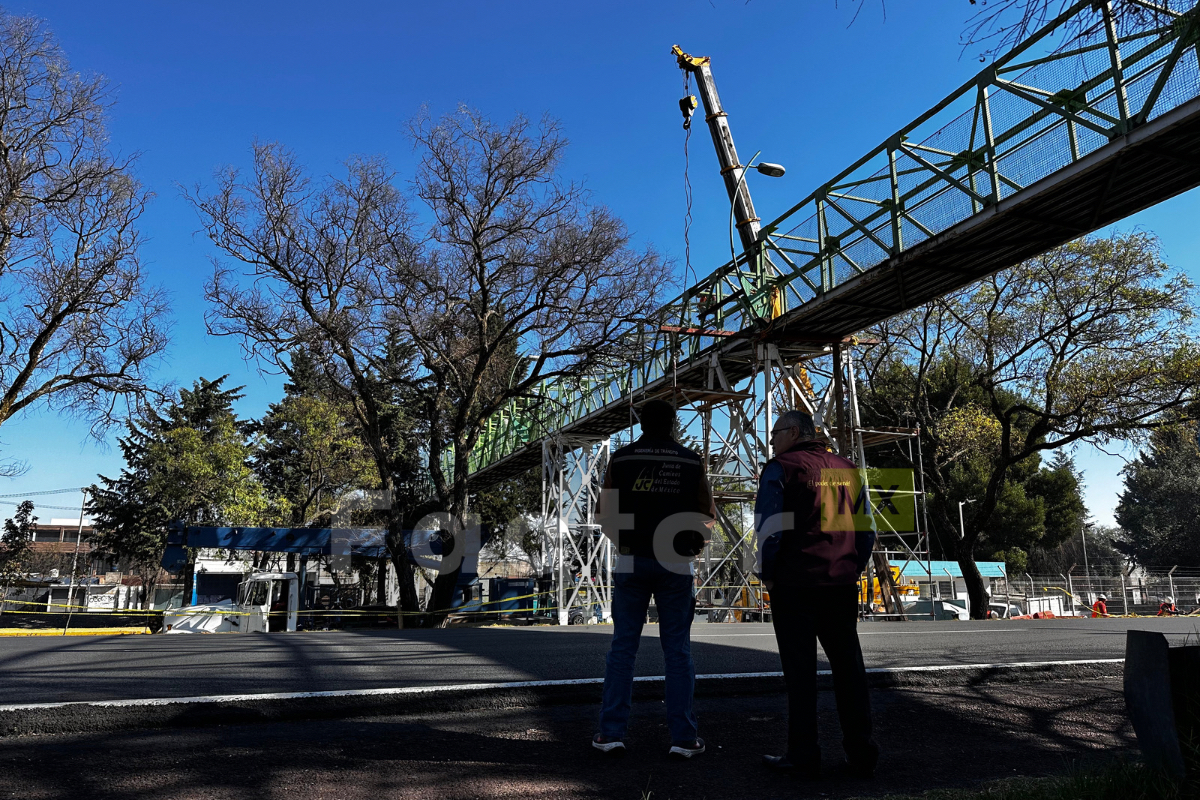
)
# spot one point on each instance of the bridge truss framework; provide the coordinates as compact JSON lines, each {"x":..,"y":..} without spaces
{"x":728,"y":423}
{"x":1042,"y":146}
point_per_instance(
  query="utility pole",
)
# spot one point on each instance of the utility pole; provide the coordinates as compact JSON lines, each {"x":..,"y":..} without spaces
{"x":75,"y":563}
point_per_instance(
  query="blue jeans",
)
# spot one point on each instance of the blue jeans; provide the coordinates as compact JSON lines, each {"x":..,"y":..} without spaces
{"x":636,"y":579}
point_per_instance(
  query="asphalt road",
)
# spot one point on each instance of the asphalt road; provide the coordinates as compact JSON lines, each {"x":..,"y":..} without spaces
{"x":931,"y":738}
{"x":54,"y":669}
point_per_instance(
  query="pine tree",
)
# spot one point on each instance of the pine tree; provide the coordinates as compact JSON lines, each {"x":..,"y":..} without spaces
{"x":189,"y":463}
{"x":1157,"y":509}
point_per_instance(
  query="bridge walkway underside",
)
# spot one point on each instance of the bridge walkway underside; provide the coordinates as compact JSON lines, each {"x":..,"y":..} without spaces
{"x":1153,"y":162}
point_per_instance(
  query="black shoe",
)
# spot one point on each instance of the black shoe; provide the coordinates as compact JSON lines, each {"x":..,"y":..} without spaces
{"x":861,"y":761}
{"x":855,"y":770}
{"x":610,"y":747}
{"x":685,"y":750}
{"x":786,"y":765}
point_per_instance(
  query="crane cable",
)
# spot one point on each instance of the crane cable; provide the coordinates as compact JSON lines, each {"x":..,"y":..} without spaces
{"x":687,"y":182}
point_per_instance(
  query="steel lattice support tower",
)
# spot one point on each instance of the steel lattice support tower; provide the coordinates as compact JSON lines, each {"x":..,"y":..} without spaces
{"x":580,"y":556}
{"x":728,"y":423}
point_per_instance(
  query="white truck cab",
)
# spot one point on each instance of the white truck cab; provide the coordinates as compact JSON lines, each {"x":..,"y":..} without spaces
{"x":266,"y":602}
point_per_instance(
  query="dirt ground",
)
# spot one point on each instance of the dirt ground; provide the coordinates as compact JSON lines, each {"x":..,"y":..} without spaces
{"x":931,"y":738}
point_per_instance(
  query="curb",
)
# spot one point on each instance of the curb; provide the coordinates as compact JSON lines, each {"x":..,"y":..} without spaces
{"x":72,"y":631}
{"x":117,"y":715}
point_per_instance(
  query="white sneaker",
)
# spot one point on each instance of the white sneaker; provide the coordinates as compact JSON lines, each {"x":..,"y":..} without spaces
{"x":687,"y":750}
{"x":604,"y":744}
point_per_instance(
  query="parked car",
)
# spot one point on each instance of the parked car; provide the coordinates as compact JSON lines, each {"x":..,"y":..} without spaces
{"x":942,"y":609}
{"x":1004,"y":610}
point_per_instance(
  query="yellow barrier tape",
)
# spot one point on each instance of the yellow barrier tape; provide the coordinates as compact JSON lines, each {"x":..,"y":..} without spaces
{"x":106,"y":609}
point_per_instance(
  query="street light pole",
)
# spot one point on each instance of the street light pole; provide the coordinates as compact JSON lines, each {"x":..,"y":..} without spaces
{"x":962,"y":529}
{"x":1086,"y":571}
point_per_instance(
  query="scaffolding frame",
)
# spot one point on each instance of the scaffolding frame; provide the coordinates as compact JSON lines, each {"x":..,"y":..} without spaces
{"x":728,"y":423}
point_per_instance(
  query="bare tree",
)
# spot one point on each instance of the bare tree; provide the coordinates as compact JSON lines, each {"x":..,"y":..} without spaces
{"x":79,"y":327}
{"x":998,"y":25}
{"x":520,"y":280}
{"x":318,"y":258}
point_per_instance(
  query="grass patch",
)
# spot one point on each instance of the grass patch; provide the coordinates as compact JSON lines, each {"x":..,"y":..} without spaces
{"x":1119,"y":781}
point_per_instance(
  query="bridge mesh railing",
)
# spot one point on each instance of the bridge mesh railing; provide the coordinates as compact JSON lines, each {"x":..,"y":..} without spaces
{"x":1028,"y":115}
{"x":1019,"y":121}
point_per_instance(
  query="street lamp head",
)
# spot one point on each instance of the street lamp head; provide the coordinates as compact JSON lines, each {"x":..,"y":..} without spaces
{"x":771,"y":170}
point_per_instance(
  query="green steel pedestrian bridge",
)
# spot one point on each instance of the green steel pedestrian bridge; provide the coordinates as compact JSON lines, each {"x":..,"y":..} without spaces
{"x":1044,"y":145}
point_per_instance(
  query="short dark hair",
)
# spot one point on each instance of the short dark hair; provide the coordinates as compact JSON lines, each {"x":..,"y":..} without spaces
{"x":657,"y":417}
{"x":798,"y":419}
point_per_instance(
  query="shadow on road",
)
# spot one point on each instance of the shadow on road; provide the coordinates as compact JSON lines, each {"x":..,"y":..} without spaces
{"x":101,"y":668}
{"x":933,"y":737}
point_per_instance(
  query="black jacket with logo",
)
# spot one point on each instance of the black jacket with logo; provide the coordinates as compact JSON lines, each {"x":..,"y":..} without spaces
{"x":654,"y":479}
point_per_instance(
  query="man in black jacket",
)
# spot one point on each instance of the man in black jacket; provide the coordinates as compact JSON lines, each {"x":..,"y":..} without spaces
{"x":657,"y":507}
{"x":811,"y":559}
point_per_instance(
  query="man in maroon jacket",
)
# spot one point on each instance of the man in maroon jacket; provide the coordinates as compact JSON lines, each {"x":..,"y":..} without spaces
{"x":811,"y":558}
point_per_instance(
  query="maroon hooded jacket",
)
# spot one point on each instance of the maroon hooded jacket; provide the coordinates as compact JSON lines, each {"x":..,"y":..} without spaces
{"x":801,"y":553}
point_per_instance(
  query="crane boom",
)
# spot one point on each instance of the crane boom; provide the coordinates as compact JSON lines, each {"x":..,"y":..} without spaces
{"x":732,"y":169}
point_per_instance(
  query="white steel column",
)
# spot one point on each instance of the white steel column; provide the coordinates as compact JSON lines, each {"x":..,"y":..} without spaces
{"x":573,"y":470}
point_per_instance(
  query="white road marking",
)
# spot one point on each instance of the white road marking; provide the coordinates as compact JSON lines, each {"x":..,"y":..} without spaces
{"x":939,"y":633}
{"x":875,"y":633}
{"x":427,"y":690}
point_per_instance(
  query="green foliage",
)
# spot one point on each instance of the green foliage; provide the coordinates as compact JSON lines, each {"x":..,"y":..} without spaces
{"x":505,"y":508}
{"x":1037,"y":506}
{"x":1016,"y":560}
{"x":310,"y":451}
{"x":1060,"y":487}
{"x":15,"y":541}
{"x":204,"y":476}
{"x":189,"y":463}
{"x":1157,"y":509}
{"x":1093,"y":341}
{"x":1119,"y":780}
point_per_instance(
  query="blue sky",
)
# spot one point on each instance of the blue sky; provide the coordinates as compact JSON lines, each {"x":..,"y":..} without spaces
{"x":196,"y":83}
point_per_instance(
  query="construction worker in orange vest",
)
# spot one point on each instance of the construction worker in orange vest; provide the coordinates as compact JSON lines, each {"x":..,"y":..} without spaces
{"x":1100,"y":607}
{"x":1167,"y":608}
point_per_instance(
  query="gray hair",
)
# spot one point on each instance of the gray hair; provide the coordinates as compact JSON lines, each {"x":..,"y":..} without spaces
{"x":798,"y":419}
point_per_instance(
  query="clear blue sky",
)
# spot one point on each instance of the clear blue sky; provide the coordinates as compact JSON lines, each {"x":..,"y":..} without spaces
{"x":195,"y":83}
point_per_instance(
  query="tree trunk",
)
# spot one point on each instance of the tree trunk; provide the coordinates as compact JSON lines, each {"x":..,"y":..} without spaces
{"x":892,"y":601}
{"x":976,"y":589}
{"x":446,"y":580}
{"x":148,"y":582}
{"x":406,"y":600}
{"x":189,"y":576}
{"x":443,"y":592}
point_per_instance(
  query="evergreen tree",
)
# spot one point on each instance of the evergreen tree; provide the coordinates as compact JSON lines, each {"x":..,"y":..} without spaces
{"x":310,"y":453}
{"x":15,"y":539}
{"x":189,"y":463}
{"x":1157,"y":509}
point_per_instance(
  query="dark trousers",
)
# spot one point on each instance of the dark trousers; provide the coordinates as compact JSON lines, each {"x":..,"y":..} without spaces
{"x":803,"y":615}
{"x":636,"y":579}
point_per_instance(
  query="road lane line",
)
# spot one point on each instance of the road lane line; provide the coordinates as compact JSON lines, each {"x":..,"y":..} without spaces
{"x":420,"y":690}
{"x":876,"y":633}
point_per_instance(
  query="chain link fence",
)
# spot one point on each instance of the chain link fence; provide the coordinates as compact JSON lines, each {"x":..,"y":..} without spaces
{"x":1138,"y":594}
